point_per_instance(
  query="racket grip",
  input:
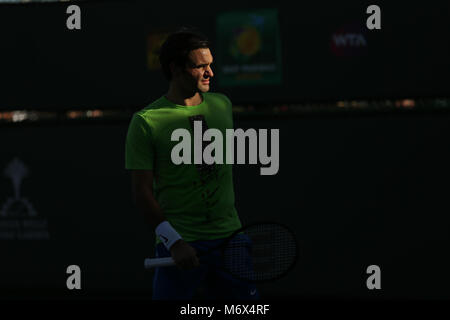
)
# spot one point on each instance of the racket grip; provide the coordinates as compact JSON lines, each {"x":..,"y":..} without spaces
{"x":158,"y":262}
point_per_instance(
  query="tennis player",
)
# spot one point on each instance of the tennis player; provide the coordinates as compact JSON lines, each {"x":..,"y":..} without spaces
{"x":190,"y":206}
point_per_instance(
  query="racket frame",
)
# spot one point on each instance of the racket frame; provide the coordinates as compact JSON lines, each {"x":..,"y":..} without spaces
{"x":168,"y":261}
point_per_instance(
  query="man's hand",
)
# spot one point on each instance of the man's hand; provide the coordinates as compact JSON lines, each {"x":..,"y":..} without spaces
{"x":184,"y":255}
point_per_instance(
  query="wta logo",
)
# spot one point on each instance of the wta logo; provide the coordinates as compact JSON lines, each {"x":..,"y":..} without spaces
{"x":349,"y":41}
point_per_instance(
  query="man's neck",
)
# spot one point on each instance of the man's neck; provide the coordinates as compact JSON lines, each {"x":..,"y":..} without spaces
{"x":179,"y":98}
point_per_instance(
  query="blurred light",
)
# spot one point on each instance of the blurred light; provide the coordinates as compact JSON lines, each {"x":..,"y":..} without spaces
{"x":74,"y":114}
{"x":238,"y":109}
{"x":33,"y":116}
{"x":18,"y":116}
{"x":405,"y":103}
{"x":342,"y":104}
{"x":409,"y":103}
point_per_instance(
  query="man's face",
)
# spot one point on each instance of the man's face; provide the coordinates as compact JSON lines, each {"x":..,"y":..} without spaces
{"x":198,"y":71}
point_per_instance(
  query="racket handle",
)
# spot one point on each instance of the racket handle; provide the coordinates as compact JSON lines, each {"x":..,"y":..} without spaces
{"x":158,"y":262}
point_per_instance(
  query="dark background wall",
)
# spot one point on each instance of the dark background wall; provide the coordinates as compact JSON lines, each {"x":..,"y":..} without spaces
{"x":44,"y":65}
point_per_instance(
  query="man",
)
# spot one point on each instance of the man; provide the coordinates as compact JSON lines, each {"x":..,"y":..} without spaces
{"x":190,"y":206}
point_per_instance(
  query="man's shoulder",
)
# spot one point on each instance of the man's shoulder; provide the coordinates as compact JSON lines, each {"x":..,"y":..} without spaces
{"x":153,"y":106}
{"x":159,"y":103}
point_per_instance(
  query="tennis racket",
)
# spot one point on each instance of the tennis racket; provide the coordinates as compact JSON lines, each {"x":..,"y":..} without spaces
{"x":259,"y":252}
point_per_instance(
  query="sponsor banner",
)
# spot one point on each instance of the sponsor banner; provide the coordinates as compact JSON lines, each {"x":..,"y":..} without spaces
{"x":18,"y":218}
{"x":154,"y":43}
{"x":249,"y":48}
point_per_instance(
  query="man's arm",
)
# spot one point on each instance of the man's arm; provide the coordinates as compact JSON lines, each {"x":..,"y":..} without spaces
{"x":142,"y":184}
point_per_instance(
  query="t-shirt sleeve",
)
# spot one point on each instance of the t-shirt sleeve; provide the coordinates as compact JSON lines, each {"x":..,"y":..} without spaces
{"x":139,"y":149}
{"x":230,"y":108}
{"x":227,"y":100}
{"x":229,"y":105}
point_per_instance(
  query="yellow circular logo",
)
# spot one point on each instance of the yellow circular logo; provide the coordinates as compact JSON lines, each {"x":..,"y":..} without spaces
{"x":249,"y":41}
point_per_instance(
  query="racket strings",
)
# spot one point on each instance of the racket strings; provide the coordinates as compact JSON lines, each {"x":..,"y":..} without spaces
{"x":262,"y":252}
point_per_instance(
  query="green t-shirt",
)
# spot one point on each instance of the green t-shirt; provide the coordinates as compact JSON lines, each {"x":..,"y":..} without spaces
{"x":197,"y":199}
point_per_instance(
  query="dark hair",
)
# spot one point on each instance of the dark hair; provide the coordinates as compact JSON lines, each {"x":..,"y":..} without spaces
{"x":177,"y":47}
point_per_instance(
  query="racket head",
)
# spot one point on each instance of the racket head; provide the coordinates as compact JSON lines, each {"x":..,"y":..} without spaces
{"x":260,"y":252}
